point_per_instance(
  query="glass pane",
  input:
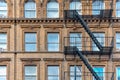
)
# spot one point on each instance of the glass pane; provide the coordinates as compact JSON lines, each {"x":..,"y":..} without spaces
{"x":31,"y":78}
{"x":3,"y":38}
{"x":118,"y":37}
{"x":77,"y":72}
{"x":53,"y":37}
{"x":30,"y":70}
{"x":97,"y":5}
{"x":118,"y":8}
{"x":53,"y":78}
{"x":30,"y":47}
{"x":53,"y":47}
{"x":2,"y":70}
{"x":3,"y":47}
{"x":30,"y":14}
{"x":2,"y":78}
{"x":3,"y":9}
{"x":30,"y":37}
{"x":52,"y":9}
{"x":53,"y":70}
{"x":118,"y":73}
{"x":100,"y":72}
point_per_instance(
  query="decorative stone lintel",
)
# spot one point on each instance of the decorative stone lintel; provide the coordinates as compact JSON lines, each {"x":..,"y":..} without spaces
{"x":30,"y":59}
{"x":5,"y":59}
{"x":53,"y":59}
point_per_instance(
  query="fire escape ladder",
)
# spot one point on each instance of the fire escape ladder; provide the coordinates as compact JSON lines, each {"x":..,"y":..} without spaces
{"x":85,"y":26}
{"x":86,"y":62}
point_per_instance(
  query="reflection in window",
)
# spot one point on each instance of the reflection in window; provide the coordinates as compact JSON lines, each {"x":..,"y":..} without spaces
{"x":75,"y":71}
{"x":97,"y":5}
{"x":30,"y":9}
{"x":100,"y":72}
{"x":53,"y":72}
{"x":3,"y":73}
{"x":30,"y":42}
{"x":76,"y":40}
{"x":101,"y":38}
{"x":52,"y":9}
{"x":118,"y":41}
{"x":117,"y":8}
{"x":53,"y":41}
{"x":3,"y":9}
{"x":76,"y":5}
{"x":118,"y":73}
{"x":30,"y":73}
{"x":3,"y":41}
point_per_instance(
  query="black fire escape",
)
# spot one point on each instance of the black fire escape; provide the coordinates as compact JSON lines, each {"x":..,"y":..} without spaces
{"x":103,"y":50}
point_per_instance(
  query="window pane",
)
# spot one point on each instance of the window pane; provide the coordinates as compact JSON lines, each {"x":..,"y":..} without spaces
{"x":75,"y":71}
{"x":3,"y":41}
{"x":2,"y":78}
{"x":101,"y":38}
{"x":76,"y":40}
{"x":53,"y":70}
{"x":30,"y":37}
{"x":30,"y":47}
{"x":30,"y":9}
{"x":100,"y":72}
{"x":52,"y":9}
{"x":3,"y":9}
{"x":97,"y":5}
{"x":76,"y":5}
{"x":117,"y":8}
{"x":30,"y":78}
{"x":30,"y":70}
{"x":53,"y":78}
{"x":118,"y":73}
{"x":3,"y":72}
{"x":53,"y":47}
{"x":53,"y":41}
{"x":118,"y":41}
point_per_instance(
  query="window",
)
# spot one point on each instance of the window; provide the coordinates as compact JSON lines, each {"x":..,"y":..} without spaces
{"x":76,"y":40}
{"x":76,"y":5}
{"x":3,"y":73}
{"x":97,"y":5}
{"x":118,"y":73}
{"x":117,"y":8}
{"x":53,"y":72}
{"x":3,"y":9}
{"x":30,"y":73}
{"x":30,"y":42}
{"x":75,"y":71}
{"x":53,"y":41}
{"x":3,"y":42}
{"x":118,"y":41}
{"x":100,"y":72}
{"x":101,"y":39}
{"x":52,"y":9}
{"x":30,"y":9}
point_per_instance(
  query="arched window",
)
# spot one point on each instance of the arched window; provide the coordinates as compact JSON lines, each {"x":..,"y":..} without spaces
{"x":97,"y":5}
{"x":3,"y":9}
{"x":52,"y":9}
{"x":30,"y":9}
{"x":76,"y":5}
{"x":117,"y":8}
